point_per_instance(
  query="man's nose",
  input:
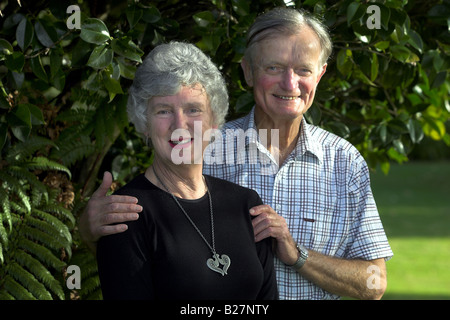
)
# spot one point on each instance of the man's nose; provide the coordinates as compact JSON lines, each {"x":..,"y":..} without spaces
{"x":290,"y":80}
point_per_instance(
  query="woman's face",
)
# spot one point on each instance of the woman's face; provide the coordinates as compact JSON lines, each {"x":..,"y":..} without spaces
{"x":178,"y":124}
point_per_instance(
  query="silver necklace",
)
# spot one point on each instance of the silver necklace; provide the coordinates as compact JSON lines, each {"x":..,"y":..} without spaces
{"x":216,"y":261}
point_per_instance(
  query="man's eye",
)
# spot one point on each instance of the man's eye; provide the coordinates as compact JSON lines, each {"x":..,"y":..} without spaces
{"x":194,"y":110}
{"x":163,"y":112}
{"x":273,"y":69}
{"x":303,"y":71}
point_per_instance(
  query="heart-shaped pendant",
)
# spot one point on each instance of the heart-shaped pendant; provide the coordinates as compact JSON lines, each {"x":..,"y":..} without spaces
{"x":215,"y":262}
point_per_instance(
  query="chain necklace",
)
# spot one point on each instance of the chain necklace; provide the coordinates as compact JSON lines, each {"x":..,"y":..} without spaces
{"x":216,"y":261}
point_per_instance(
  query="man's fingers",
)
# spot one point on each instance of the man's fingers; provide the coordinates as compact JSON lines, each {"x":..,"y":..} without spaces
{"x":117,"y":203}
{"x":104,"y":187}
{"x":113,"y":218}
{"x":108,"y":229}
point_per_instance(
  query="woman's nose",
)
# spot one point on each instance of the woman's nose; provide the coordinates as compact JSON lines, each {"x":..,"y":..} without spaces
{"x":180,"y":120}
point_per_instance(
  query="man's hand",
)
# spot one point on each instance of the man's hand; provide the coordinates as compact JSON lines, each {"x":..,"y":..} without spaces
{"x":339,"y":276}
{"x":268,"y":223}
{"x":104,"y":214}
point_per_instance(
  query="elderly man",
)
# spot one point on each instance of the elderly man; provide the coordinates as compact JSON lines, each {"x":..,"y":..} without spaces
{"x":319,"y":208}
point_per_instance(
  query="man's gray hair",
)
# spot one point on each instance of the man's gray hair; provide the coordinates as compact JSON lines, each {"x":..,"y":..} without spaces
{"x":287,"y":21}
{"x":168,"y":67}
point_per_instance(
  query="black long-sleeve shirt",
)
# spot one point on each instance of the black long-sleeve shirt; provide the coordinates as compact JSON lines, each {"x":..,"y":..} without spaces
{"x":161,"y":256}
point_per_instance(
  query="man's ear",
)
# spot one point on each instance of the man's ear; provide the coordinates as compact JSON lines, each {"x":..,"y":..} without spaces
{"x":248,"y":73}
{"x":322,"y":72}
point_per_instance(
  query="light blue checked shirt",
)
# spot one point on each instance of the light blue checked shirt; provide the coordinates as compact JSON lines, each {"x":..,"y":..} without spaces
{"x":322,"y":190}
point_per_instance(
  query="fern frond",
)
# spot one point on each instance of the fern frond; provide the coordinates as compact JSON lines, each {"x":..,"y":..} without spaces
{"x":2,"y":259}
{"x":28,"y":281}
{"x":5,"y":214}
{"x":43,"y":237}
{"x":74,"y":150}
{"x":37,"y":187}
{"x":16,"y":187}
{"x":3,"y":235}
{"x":61,"y":212}
{"x":25,"y":149}
{"x":58,"y":226}
{"x":40,"y":272}
{"x":15,"y":290}
{"x":43,"y":163}
{"x":44,"y":255}
{"x":76,"y":116}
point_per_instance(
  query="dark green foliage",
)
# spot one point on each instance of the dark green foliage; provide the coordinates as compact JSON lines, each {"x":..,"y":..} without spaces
{"x":63,"y":95}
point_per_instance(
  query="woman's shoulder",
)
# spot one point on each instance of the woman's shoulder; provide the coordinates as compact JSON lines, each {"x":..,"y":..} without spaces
{"x":136,"y":186}
{"x":231,"y":188}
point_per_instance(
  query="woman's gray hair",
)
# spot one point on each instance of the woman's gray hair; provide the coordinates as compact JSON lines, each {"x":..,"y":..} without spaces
{"x":168,"y":67}
{"x":287,"y":21}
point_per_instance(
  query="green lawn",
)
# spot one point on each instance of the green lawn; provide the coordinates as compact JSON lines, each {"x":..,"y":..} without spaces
{"x":414,"y":204}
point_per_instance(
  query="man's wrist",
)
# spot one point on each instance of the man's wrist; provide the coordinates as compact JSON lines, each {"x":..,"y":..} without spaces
{"x":303,"y":256}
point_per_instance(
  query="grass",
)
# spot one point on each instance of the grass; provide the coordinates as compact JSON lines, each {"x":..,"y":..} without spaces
{"x":414,"y":205}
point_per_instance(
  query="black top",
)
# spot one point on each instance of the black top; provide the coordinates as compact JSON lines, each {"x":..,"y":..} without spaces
{"x":161,"y":255}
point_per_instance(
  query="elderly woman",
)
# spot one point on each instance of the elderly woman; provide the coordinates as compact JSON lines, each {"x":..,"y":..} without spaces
{"x":194,"y":238}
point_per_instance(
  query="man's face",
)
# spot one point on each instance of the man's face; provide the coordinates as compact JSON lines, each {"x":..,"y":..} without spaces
{"x":284,"y":74}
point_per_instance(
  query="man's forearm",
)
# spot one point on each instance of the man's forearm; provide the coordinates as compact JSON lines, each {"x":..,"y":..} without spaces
{"x":358,"y":279}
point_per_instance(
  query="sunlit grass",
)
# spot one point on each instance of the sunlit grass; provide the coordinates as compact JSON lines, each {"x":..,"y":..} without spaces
{"x":414,"y":204}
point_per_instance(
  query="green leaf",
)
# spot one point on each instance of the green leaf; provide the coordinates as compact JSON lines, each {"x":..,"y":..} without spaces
{"x":3,"y":134}
{"x":5,"y":48}
{"x":37,"y":118}
{"x":400,"y":52}
{"x":344,"y":62}
{"x":24,"y":34}
{"x":151,"y":15}
{"x":127,"y":70}
{"x":15,"y":61}
{"x":245,"y":102}
{"x":134,"y":14}
{"x":127,"y":48}
{"x":415,"y":40}
{"x":17,"y":79}
{"x":241,"y":7}
{"x":38,"y":68}
{"x":112,"y":85}
{"x":415,"y":130}
{"x":399,"y":147}
{"x":55,"y":63}
{"x":339,"y":129}
{"x":314,"y":114}
{"x":101,"y":57}
{"x":94,"y":31}
{"x":20,"y":116}
{"x":351,"y":12}
{"x":45,"y":33}
{"x":204,"y":18}
{"x":374,"y":67}
{"x":382,"y":45}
